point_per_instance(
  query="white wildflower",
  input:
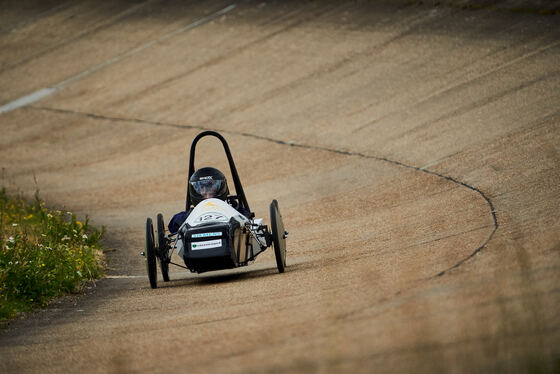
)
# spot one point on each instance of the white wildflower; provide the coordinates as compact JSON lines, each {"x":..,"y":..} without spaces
{"x":65,"y":238}
{"x":14,"y":224}
{"x":11,"y":239}
{"x":84,"y":236}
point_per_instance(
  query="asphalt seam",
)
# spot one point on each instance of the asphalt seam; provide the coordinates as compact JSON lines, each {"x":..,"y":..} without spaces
{"x":85,"y":33}
{"x":47,"y":91}
{"x":11,"y":28}
{"x":311,"y":147}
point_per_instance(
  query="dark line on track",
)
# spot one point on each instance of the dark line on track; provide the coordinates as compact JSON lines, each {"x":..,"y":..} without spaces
{"x":311,"y":147}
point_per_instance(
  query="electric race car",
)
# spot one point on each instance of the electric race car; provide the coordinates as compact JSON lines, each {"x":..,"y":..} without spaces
{"x":217,"y":230}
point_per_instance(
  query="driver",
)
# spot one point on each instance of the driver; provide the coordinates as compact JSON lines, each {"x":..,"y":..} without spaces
{"x":204,"y":184}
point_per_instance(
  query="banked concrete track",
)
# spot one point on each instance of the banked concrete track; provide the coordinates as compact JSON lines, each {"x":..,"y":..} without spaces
{"x":414,"y":150}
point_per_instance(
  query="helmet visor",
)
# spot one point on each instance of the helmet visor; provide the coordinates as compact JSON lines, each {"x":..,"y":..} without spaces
{"x":207,"y":188}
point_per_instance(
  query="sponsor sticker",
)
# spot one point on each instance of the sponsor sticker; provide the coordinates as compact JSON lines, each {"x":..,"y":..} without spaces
{"x":206,"y":234}
{"x":206,"y":245}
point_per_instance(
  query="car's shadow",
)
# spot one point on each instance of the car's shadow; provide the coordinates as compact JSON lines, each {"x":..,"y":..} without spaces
{"x":222,"y":276}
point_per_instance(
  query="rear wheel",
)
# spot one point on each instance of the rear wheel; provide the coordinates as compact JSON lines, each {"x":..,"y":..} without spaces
{"x":163,"y":250}
{"x":278,"y":236}
{"x":151,"y":253}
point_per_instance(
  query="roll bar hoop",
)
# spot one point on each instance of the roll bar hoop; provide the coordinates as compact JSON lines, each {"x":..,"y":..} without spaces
{"x":237,"y":183}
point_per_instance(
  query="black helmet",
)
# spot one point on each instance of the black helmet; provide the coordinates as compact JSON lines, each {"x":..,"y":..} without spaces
{"x":206,"y":183}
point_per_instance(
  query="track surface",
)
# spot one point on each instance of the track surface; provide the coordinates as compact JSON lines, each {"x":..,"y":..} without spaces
{"x":414,"y":151}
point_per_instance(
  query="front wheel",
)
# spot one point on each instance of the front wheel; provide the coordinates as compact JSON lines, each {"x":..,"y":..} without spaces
{"x":151,"y":254}
{"x":163,"y":250}
{"x":278,"y":236}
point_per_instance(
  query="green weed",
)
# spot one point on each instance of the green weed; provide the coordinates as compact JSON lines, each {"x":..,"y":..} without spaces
{"x":43,"y":254}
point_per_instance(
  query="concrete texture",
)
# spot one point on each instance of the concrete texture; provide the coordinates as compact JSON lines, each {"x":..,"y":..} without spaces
{"x":413,"y":148}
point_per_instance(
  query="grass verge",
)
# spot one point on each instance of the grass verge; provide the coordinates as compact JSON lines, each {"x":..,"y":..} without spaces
{"x":43,"y":254}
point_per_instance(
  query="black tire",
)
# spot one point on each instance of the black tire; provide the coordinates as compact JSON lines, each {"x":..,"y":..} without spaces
{"x":151,"y":254}
{"x":163,"y":250}
{"x":278,"y":236}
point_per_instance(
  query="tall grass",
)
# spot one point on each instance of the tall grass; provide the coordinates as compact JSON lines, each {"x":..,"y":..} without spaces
{"x":43,"y":254}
